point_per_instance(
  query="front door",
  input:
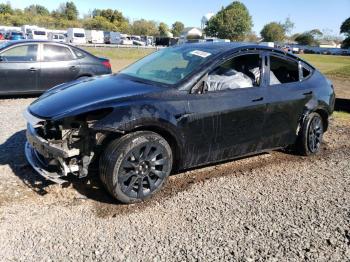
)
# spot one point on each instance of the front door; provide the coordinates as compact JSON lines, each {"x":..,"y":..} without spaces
{"x":19,"y":69}
{"x":58,"y":66}
{"x":227,"y":122}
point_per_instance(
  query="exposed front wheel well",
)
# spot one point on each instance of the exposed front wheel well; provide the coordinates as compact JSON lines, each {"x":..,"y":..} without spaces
{"x":324,"y":115}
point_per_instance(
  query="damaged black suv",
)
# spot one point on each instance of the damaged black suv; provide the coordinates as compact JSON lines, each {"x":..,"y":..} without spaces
{"x":175,"y":109}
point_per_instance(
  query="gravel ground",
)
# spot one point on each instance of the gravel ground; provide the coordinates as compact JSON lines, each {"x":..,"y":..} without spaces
{"x":273,"y":207}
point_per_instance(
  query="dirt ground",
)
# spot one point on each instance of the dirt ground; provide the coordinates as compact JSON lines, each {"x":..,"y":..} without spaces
{"x":342,"y":87}
{"x":275,"y":206}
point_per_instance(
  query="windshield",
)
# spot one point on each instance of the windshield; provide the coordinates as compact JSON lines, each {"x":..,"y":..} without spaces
{"x":16,"y":33}
{"x":169,"y":65}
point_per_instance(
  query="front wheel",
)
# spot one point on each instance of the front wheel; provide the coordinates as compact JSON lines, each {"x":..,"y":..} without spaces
{"x":136,"y":166}
{"x":311,"y":135}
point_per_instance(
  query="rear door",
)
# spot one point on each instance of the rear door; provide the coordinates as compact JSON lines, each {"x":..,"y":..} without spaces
{"x":19,"y":69}
{"x":58,"y":66}
{"x":286,"y":98}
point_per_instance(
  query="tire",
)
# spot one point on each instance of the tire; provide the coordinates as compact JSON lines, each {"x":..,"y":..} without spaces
{"x":136,"y":166}
{"x":310,"y":138}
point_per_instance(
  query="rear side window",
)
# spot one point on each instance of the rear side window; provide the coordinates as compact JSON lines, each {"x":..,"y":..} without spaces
{"x":22,"y":53}
{"x":57,"y":53}
{"x":78,"y":53}
{"x":306,"y":72}
{"x":283,"y":71}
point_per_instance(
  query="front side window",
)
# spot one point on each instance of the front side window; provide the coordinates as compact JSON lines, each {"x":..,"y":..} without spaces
{"x":240,"y":72}
{"x":56,"y":53}
{"x":22,"y":53}
{"x":283,"y":71}
{"x":169,"y":65}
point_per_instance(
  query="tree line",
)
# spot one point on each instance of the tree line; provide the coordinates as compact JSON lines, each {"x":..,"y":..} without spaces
{"x":232,"y":22}
{"x":67,"y":15}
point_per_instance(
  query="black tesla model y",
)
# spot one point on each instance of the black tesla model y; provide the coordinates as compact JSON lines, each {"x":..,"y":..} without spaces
{"x":178,"y":108}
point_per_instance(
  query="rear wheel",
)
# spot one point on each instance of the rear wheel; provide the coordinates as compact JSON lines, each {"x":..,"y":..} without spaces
{"x":136,"y":166}
{"x":311,"y":136}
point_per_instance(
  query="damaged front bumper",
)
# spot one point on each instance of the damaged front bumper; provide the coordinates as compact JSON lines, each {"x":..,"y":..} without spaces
{"x":37,"y":150}
{"x":40,"y":167}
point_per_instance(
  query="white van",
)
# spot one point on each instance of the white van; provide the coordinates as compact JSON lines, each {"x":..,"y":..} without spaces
{"x":115,"y":38}
{"x":76,"y":36}
{"x":95,"y":36}
{"x":38,"y":34}
{"x":56,"y":37}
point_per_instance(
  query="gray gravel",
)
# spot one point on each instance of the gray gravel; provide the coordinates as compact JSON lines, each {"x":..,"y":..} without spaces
{"x":273,"y":207}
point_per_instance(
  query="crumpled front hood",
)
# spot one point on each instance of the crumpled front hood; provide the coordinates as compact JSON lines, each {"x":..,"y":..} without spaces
{"x":83,"y":96}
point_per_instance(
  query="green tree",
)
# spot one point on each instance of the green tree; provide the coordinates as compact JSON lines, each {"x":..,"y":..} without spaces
{"x":306,"y":38}
{"x":66,"y":10}
{"x":177,"y":28}
{"x":71,"y":11}
{"x":288,"y":26}
{"x":232,"y":22}
{"x":98,"y":23}
{"x":144,"y":27}
{"x":345,"y":29}
{"x":36,"y":10}
{"x":163,"y":29}
{"x":6,"y":9}
{"x":273,"y":32}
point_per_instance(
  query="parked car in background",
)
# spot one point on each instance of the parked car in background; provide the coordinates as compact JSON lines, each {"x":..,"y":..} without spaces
{"x":28,"y":67}
{"x":57,"y":37}
{"x":76,"y":36}
{"x":178,"y":108}
{"x":94,"y":36}
{"x":38,"y":34}
{"x":2,"y":36}
{"x":15,"y":36}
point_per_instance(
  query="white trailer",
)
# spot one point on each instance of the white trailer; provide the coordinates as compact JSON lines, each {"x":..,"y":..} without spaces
{"x":94,"y":36}
{"x":76,"y":36}
{"x":27,"y":29}
{"x":38,"y":34}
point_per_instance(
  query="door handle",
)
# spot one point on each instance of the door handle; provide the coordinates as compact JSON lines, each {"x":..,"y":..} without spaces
{"x":258,"y":99}
{"x":33,"y":69}
{"x":307,"y":93}
{"x":73,"y":68}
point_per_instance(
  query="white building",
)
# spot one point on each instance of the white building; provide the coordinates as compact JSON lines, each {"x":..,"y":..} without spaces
{"x":191,"y":32}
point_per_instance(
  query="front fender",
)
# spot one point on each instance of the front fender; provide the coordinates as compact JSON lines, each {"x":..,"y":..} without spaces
{"x":162,"y":117}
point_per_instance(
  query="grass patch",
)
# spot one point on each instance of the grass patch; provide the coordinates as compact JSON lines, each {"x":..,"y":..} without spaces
{"x":120,"y":57}
{"x":332,"y":66}
{"x":341,"y":115}
{"x":120,"y":53}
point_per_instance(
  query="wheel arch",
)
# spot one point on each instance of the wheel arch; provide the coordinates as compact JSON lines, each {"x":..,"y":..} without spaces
{"x":166,"y":133}
{"x":324,"y":115}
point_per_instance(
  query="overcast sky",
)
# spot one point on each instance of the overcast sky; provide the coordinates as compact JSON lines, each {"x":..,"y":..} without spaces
{"x":306,"y":14}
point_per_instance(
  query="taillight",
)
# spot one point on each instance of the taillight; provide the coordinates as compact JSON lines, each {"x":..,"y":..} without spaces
{"x":107,"y":64}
